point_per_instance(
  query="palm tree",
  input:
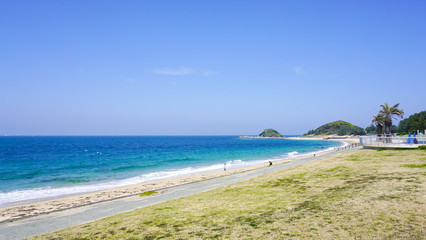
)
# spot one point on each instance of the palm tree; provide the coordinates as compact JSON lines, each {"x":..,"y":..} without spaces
{"x":388,"y":113}
{"x":379,"y":120}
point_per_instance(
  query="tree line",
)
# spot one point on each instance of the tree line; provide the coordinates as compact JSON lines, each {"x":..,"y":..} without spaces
{"x":382,"y":122}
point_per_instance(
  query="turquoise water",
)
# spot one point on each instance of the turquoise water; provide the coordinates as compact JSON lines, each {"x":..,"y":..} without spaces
{"x":36,"y":167}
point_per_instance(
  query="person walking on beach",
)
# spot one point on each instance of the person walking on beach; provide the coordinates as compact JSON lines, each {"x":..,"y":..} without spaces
{"x":224,"y":167}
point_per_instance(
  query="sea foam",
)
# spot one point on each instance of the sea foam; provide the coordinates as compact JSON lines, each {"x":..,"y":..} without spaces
{"x":47,"y":192}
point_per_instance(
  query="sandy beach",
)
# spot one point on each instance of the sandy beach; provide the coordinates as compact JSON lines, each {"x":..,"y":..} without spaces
{"x":43,"y":206}
{"x":348,"y":139}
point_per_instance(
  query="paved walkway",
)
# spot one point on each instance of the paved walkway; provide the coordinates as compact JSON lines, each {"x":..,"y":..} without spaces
{"x":72,"y":217}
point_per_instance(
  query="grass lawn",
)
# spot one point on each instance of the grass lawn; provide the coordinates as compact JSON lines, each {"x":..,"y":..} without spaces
{"x":366,"y":194}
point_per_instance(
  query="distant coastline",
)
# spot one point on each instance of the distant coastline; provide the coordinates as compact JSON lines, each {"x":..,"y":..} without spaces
{"x":259,"y":137}
{"x":344,"y":138}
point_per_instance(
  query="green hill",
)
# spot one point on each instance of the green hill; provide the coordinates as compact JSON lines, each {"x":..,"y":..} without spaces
{"x":415,"y":122}
{"x":270,"y":133}
{"x":337,"y":127}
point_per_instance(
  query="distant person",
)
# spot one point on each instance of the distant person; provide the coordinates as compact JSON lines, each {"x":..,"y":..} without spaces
{"x":270,"y":163}
{"x":224,"y":167}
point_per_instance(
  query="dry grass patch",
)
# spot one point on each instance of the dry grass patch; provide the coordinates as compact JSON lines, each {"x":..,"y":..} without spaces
{"x":365,"y":194}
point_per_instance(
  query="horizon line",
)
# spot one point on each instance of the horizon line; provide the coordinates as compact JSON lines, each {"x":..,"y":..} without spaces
{"x":152,"y":135}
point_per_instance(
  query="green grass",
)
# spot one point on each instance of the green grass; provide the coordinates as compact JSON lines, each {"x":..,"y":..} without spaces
{"x":415,"y":165}
{"x":377,"y":196}
{"x":423,"y":147}
{"x":144,"y":194}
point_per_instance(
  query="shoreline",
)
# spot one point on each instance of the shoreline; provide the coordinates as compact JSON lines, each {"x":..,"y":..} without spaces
{"x":258,"y":137}
{"x":345,"y":138}
{"x":35,"y":207}
{"x":348,"y":139}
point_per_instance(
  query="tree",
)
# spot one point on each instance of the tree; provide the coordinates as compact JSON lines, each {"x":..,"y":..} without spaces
{"x":371,"y":129}
{"x":310,"y":132}
{"x":389,"y":112}
{"x":413,"y":123}
{"x":379,"y":121}
{"x":394,"y":129}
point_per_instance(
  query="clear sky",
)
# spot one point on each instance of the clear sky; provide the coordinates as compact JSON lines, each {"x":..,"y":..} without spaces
{"x":206,"y":67}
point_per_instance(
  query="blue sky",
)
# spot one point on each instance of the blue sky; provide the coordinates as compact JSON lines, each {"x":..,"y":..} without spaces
{"x":206,"y":67}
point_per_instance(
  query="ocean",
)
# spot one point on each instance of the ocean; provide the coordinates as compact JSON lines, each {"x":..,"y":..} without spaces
{"x":40,"y":167}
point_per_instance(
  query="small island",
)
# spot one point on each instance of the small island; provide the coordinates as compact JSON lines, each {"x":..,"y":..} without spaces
{"x":267,"y":133}
{"x":270,"y":133}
